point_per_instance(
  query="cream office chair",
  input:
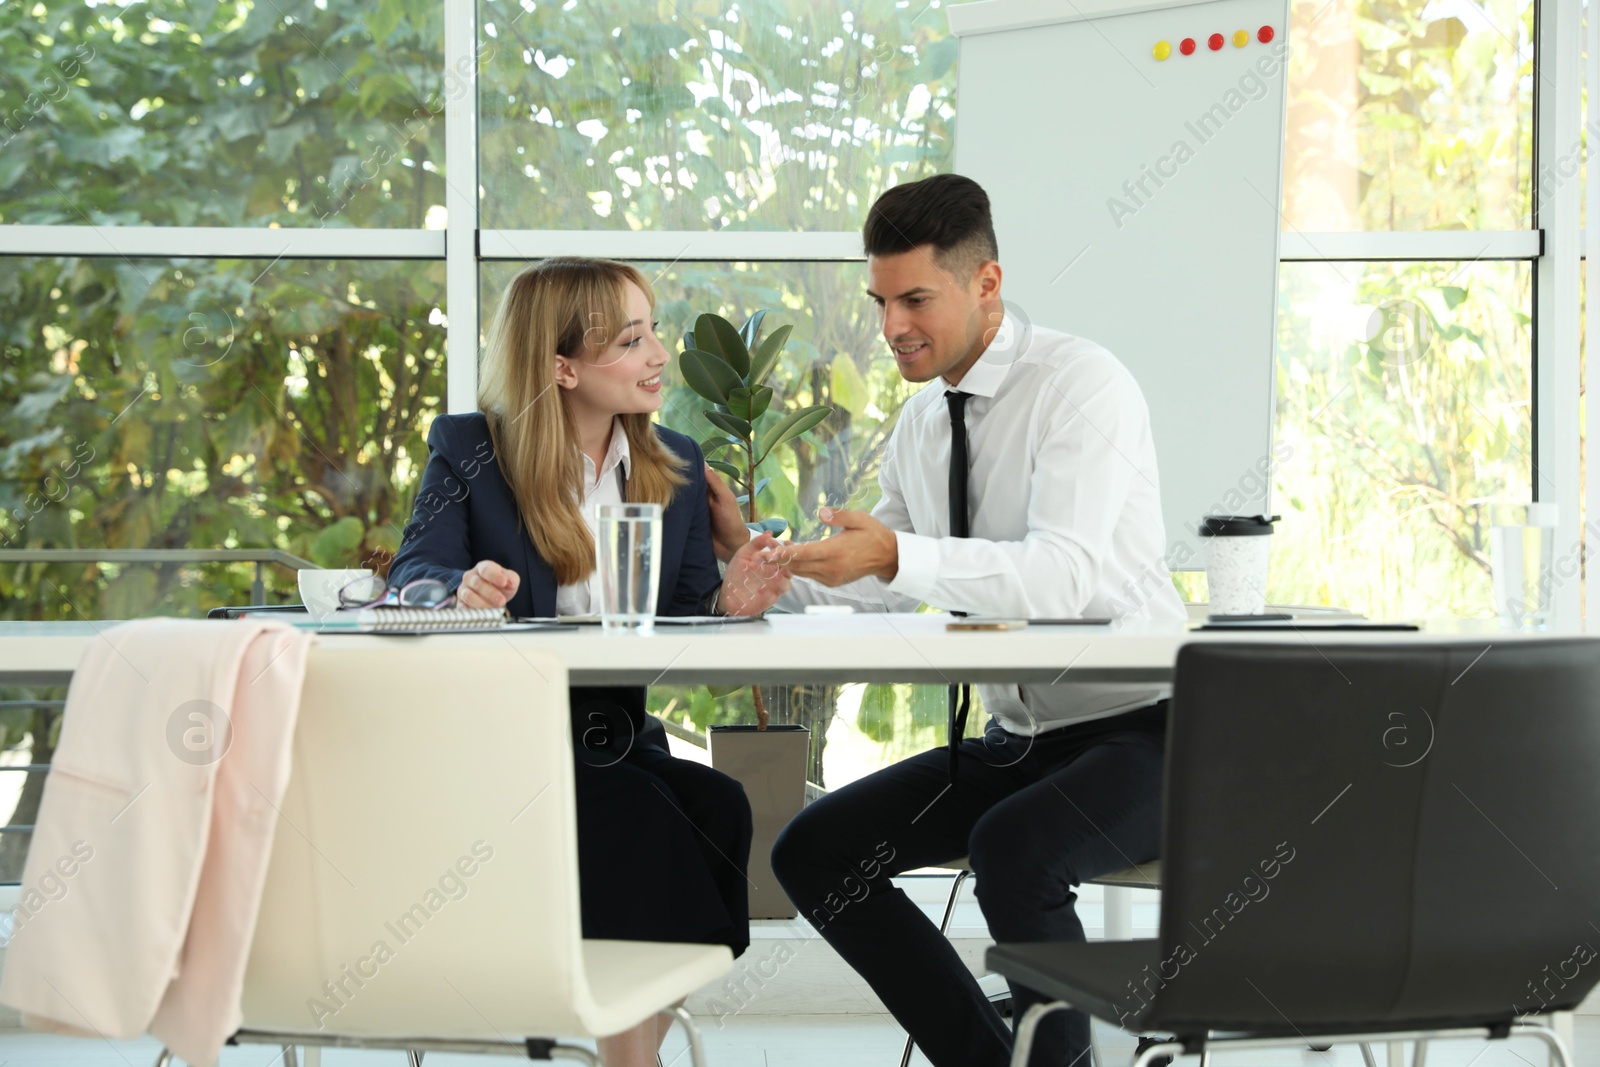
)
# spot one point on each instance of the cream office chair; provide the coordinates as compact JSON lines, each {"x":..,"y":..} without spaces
{"x":422,"y":893}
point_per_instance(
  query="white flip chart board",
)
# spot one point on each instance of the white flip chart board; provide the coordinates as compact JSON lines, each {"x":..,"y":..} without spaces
{"x":1136,"y":203}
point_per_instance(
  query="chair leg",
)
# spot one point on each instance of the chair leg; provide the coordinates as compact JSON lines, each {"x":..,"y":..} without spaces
{"x":1118,"y":910}
{"x":1420,"y":1056}
{"x":165,"y":1059}
{"x":413,"y":1058}
{"x":944,"y":928}
{"x":1558,"y":1048}
{"x":1561,"y":1024}
{"x":1205,"y":1057}
{"x":950,"y":905}
{"x":1022,"y":1043}
{"x":697,"y":1052}
{"x":1366,"y":1055}
{"x":289,"y":1057}
{"x":1157,"y":1051}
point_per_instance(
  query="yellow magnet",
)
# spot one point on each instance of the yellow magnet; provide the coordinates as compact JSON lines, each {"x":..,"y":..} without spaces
{"x":1241,"y":38}
{"x":1162,"y":50}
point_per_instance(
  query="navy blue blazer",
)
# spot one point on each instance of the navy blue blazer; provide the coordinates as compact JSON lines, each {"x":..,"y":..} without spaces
{"x":465,"y":512}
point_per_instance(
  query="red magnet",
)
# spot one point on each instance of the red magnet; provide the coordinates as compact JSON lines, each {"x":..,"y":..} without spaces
{"x":1264,"y":34}
{"x":1186,"y":46}
{"x":1215,"y":42}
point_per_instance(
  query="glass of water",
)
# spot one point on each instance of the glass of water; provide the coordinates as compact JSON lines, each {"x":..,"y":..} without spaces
{"x":628,"y":552}
{"x":1522,"y":540}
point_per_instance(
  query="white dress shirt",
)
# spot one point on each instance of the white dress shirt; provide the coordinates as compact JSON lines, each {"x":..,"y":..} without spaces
{"x":1065,"y":506}
{"x":599,"y":487}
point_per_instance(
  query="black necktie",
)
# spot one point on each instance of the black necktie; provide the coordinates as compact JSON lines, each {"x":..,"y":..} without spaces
{"x":960,"y":526}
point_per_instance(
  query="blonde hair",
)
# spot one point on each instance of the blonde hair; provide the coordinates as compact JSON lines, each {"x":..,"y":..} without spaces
{"x":552,"y":308}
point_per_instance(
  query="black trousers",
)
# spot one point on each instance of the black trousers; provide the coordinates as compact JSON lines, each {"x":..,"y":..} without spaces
{"x":663,"y":843}
{"x":1037,"y":816}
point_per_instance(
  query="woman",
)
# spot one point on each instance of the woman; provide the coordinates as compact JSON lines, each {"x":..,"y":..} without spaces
{"x":506,"y":516}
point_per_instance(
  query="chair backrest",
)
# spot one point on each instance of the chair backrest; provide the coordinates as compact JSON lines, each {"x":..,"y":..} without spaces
{"x":423,"y":877}
{"x":1383,"y":833}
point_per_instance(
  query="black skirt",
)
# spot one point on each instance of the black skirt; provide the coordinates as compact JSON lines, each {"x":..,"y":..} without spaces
{"x":663,"y":843}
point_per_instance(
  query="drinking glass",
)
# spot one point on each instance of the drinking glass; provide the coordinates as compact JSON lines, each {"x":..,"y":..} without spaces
{"x":628,"y":552}
{"x":1522,"y":539}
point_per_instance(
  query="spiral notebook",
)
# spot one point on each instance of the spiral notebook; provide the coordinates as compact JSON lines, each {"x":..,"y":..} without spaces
{"x":412,"y":620}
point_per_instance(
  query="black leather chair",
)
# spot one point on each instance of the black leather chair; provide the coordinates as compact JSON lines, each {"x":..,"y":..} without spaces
{"x":1396,"y":841}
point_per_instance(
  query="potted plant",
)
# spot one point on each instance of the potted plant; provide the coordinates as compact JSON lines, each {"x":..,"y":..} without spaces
{"x":728,"y":367}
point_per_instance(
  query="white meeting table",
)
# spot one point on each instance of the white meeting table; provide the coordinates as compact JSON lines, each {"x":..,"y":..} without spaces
{"x":812,"y":649}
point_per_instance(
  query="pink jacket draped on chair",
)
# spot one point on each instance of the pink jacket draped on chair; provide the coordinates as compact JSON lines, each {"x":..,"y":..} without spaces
{"x":144,"y":877}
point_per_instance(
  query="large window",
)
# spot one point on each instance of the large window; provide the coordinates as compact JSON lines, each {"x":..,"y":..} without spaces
{"x":1409,"y":116}
{"x":192,"y":113}
{"x":776,"y":115}
{"x":225,"y":284}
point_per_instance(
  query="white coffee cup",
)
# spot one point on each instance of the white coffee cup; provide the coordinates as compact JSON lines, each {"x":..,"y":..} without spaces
{"x":1238,"y":548}
{"x":319,"y":589}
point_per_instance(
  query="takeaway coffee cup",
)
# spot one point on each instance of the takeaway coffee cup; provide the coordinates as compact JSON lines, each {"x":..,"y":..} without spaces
{"x":1237,"y":550}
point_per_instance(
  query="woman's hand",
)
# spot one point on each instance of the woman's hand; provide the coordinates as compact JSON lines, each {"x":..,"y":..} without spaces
{"x":487,"y":585}
{"x":728,"y":532}
{"x":752,"y":583}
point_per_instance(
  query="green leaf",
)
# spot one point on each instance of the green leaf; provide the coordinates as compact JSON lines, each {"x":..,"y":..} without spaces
{"x":849,"y":388}
{"x":739,"y":403}
{"x":752,"y":328}
{"x":772,"y":526}
{"x":384,"y":538}
{"x":715,"y":334}
{"x":724,"y":468}
{"x":766,"y":355}
{"x":378,"y":89}
{"x":875,"y":717}
{"x":792,"y":426}
{"x":338,"y":545}
{"x":711,"y":444}
{"x":707,"y":375}
{"x":12,"y":166}
{"x":1453,"y":295}
{"x":760,"y":400}
{"x":381,"y":22}
{"x":738,"y":427}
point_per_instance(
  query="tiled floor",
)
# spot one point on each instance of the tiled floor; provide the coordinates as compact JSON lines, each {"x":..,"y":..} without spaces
{"x":787,"y":1041}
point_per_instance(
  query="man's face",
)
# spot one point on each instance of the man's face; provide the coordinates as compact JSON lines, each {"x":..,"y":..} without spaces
{"x":935,"y":323}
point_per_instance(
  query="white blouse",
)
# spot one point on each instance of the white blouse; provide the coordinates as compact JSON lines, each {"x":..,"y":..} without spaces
{"x":599,"y":487}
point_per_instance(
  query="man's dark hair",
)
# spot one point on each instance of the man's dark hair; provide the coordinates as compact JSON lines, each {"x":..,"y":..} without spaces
{"x":947,"y":211}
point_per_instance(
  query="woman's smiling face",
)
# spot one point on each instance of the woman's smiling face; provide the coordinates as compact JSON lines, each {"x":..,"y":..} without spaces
{"x":618,"y":374}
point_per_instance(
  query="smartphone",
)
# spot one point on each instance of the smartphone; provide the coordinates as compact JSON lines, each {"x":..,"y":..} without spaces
{"x":986,"y":624}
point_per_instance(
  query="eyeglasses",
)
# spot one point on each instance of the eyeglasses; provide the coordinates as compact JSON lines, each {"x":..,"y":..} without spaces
{"x":374,"y":591}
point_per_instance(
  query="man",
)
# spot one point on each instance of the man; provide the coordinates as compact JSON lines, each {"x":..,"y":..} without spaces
{"x":1062,"y":519}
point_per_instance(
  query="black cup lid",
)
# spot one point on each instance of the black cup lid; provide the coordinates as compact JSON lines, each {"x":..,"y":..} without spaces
{"x":1236,"y":525}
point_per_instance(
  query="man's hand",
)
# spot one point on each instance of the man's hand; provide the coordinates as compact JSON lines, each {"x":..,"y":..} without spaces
{"x":728,"y":532}
{"x":862,"y":546}
{"x":487,"y":585}
{"x":753,"y":582}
